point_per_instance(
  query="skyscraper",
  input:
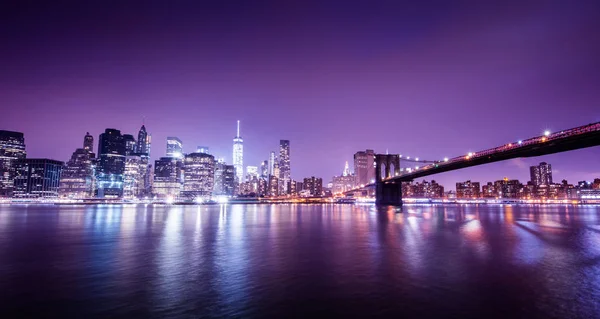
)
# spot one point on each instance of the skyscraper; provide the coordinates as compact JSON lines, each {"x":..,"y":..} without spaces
{"x":224,"y":179}
{"x":111,"y":164}
{"x":238,"y":155}
{"x":12,"y":148}
{"x":264,"y":170}
{"x":271,"y":163}
{"x":284,"y":166}
{"x":199,"y":174}
{"x":174,"y":147}
{"x":88,"y":143}
{"x":167,"y":177}
{"x":134,"y":185}
{"x":130,"y":144}
{"x":143,"y":142}
{"x":364,"y":168}
{"x":541,"y":174}
{"x":77,"y":178}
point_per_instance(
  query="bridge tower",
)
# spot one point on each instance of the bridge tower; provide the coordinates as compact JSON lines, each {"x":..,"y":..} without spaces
{"x":388,"y":192}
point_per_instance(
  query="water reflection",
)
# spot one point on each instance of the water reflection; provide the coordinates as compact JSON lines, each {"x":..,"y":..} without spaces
{"x":246,"y":260}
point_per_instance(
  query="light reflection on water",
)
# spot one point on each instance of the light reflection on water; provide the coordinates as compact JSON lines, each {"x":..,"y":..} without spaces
{"x":303,"y":260}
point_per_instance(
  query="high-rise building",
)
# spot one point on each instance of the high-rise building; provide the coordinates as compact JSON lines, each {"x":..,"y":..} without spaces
{"x":77,"y":178}
{"x":364,"y":167}
{"x":272,"y":160}
{"x":506,"y":188}
{"x":224,"y":179}
{"x":168,"y":177}
{"x":88,"y":143}
{"x":133,"y":176}
{"x":238,"y":155}
{"x":489,"y":190}
{"x":345,"y":182}
{"x":199,"y":175}
{"x":273,"y":186}
{"x":37,"y":178}
{"x":251,"y":172}
{"x":314,"y":186}
{"x":111,"y":164}
{"x":12,"y":148}
{"x":174,"y":147}
{"x":276,"y":171}
{"x":130,"y":144}
{"x":541,"y":174}
{"x":467,"y":189}
{"x":264,"y":170}
{"x":284,"y":166}
{"x":144,"y":141}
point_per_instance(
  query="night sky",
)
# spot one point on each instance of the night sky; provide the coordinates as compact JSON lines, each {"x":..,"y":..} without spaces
{"x":426,"y":78}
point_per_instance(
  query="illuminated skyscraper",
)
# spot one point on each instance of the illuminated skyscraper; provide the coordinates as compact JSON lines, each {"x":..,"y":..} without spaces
{"x":199,"y":175}
{"x":174,"y":147}
{"x":238,"y":155}
{"x":12,"y":148}
{"x":111,"y":164}
{"x":88,"y":143}
{"x":284,"y":165}
{"x":130,"y":144}
{"x":541,"y":174}
{"x":143,"y":142}
{"x":264,"y":170}
{"x":271,"y":163}
{"x":77,"y":178}
{"x":37,"y":177}
{"x":167,"y":177}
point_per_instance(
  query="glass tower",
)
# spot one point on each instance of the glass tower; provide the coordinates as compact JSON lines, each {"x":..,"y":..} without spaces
{"x":238,"y":155}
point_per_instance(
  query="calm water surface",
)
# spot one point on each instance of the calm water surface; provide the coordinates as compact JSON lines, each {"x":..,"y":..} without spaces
{"x":299,"y":261}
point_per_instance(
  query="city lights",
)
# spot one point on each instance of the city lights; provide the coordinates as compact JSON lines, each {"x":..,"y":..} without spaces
{"x":546,"y":133}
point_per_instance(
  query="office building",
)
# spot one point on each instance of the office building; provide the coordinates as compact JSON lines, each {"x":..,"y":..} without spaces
{"x":364,"y":167}
{"x":264,"y":169}
{"x":224,"y":179}
{"x":168,"y":177}
{"x":284,"y":166}
{"x":314,"y":186}
{"x":199,"y":174}
{"x":37,"y":178}
{"x":468,"y":189}
{"x":77,"y":177}
{"x":273,"y":186}
{"x":345,"y":182}
{"x":130,"y":144}
{"x":12,"y":148}
{"x":489,"y":191}
{"x":251,"y":172}
{"x":506,"y":188}
{"x":134,"y":184}
{"x":111,"y":164}
{"x":174,"y":147}
{"x":238,"y":155}
{"x":143,"y":142}
{"x":272,"y":161}
{"x":541,"y":174}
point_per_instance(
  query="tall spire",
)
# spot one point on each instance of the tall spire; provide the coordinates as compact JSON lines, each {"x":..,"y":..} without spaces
{"x":238,"y":129}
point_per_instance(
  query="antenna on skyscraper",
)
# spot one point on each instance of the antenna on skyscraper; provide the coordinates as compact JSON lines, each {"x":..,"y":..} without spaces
{"x":238,"y":129}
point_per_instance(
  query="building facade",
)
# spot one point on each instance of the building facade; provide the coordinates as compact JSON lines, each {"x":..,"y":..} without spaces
{"x":364,"y":167}
{"x":37,"y":178}
{"x":541,"y":174}
{"x":134,"y":185}
{"x":199,"y":175}
{"x":285,"y":175}
{"x":168,"y":177}
{"x":174,"y":147}
{"x":77,"y":177}
{"x":468,"y":189}
{"x":143,"y":142}
{"x":314,"y":186}
{"x":111,"y":164}
{"x":224,"y":179}
{"x":12,"y":148}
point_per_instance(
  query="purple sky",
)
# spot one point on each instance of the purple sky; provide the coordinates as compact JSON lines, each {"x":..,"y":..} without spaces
{"x":432,"y":79}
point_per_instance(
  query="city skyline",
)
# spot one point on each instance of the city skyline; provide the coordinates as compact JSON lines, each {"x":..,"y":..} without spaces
{"x":336,"y":91}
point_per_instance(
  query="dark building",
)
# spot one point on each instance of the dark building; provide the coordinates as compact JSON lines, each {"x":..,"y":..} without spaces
{"x":37,"y":178}
{"x":77,"y":178}
{"x":143,"y":142}
{"x":364,"y":168}
{"x":489,"y":191}
{"x":111,"y":164}
{"x":130,"y":144}
{"x":468,"y":189}
{"x":12,"y":148}
{"x":541,"y":174}
{"x":424,"y":189}
{"x":508,"y":188}
{"x":199,"y":174}
{"x":273,"y":186}
{"x":314,"y":186}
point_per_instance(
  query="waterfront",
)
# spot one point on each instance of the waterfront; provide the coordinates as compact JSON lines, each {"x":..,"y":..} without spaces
{"x":145,"y":261}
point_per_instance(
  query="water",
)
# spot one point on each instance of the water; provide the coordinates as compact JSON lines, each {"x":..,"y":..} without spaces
{"x":279,"y":261}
